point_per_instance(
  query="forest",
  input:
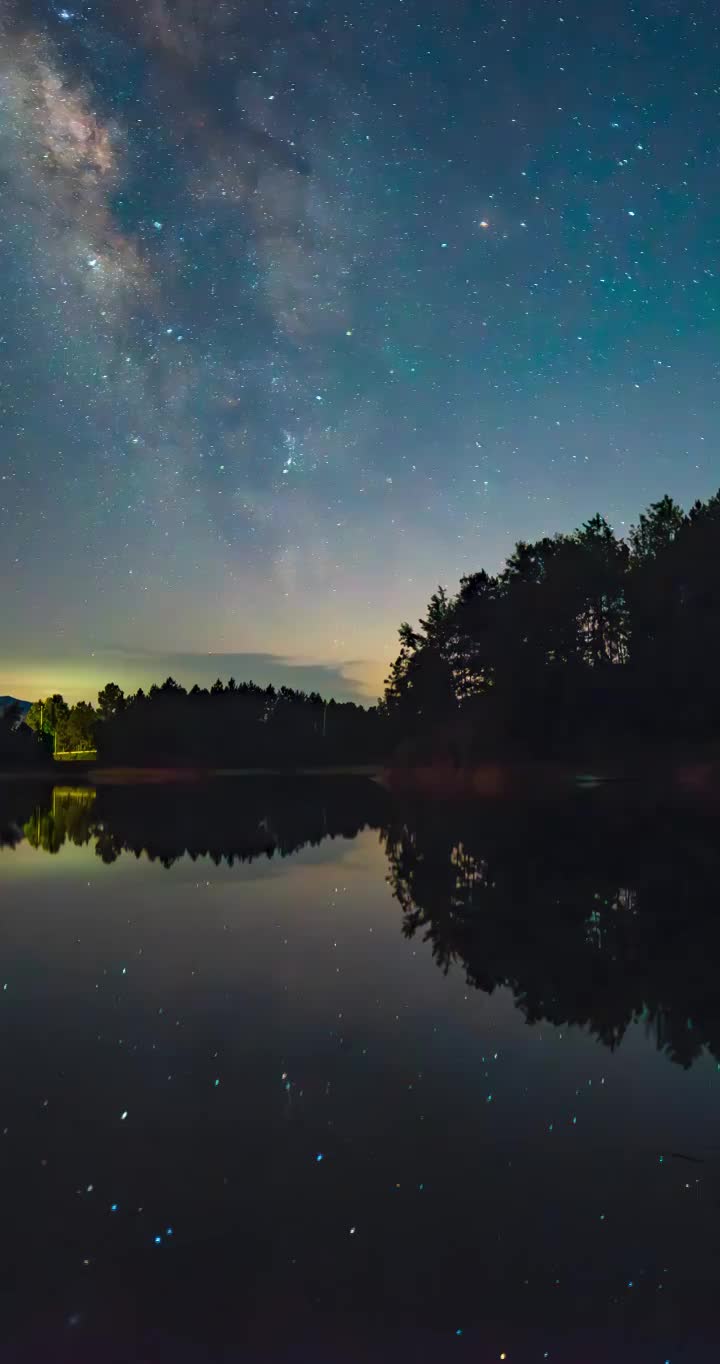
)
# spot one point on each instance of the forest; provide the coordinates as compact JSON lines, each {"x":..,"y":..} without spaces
{"x":583,"y":643}
{"x":228,"y":725}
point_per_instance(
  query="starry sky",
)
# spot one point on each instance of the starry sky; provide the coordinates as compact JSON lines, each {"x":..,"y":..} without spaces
{"x":307,"y":307}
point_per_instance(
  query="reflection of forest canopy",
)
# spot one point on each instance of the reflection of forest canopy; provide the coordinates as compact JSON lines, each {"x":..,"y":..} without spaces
{"x":16,"y":805}
{"x":586,"y":921}
{"x":228,"y":822}
{"x":587,"y":917}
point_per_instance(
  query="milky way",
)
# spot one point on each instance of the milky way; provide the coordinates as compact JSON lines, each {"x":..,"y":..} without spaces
{"x":304,"y":311}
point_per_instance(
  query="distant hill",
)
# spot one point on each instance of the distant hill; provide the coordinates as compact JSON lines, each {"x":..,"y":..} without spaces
{"x":6,"y":701}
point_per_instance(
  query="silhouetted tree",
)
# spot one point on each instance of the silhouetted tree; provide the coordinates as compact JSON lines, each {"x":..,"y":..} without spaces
{"x":19,"y":745}
{"x":111,"y":700}
{"x":241,"y":725}
{"x":581,"y":639}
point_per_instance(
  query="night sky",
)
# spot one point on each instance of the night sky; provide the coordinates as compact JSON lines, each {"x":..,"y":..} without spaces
{"x":305,"y":308}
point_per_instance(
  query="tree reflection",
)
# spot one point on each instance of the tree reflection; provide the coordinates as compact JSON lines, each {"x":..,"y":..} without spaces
{"x":590,"y":914}
{"x":237,"y":821}
{"x":16,"y":805}
{"x":68,"y":819}
{"x":589,"y":921}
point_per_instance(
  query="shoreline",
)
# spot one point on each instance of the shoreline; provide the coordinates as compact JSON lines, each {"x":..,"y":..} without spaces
{"x":64,"y":774}
{"x":687,"y":778}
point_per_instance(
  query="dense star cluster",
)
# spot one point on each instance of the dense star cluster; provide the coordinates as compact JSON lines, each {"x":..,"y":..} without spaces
{"x":305,"y":309}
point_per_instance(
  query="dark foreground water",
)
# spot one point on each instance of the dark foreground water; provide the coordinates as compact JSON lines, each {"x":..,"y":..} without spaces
{"x":290,"y":1073}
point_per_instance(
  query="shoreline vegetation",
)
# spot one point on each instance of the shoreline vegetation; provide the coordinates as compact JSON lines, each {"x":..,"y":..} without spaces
{"x":588,"y":655}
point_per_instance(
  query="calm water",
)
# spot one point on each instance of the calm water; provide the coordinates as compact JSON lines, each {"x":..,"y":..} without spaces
{"x":295,"y":1074}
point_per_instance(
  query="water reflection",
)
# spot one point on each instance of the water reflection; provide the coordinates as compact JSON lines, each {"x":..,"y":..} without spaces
{"x":232,"y":822}
{"x":590,"y":917}
{"x":203,"y":990}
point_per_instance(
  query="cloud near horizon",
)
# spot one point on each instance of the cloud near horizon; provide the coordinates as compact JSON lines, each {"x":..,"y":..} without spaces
{"x":81,"y":679}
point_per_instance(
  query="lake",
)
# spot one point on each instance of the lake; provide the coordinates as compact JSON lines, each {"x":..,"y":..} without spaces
{"x":294,"y":1072}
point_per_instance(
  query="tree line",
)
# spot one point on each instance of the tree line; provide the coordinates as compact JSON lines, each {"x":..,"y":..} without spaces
{"x":580,"y":639}
{"x":227,"y":725}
